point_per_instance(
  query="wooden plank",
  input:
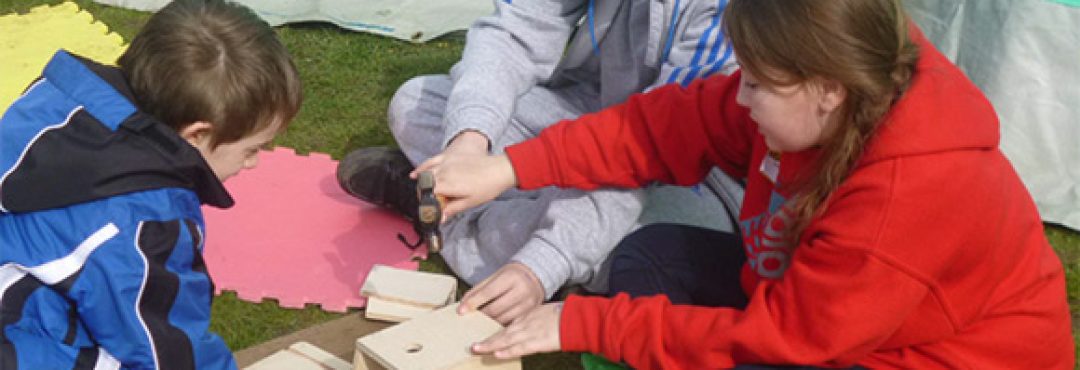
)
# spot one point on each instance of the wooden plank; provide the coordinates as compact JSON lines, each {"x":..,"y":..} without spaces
{"x":383,"y":310}
{"x":397,"y":295}
{"x":301,"y":356}
{"x":438,"y":340}
{"x":337,"y":336}
{"x":423,"y":289}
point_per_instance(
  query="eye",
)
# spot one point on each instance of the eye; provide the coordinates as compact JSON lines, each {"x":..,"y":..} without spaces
{"x":750,"y":85}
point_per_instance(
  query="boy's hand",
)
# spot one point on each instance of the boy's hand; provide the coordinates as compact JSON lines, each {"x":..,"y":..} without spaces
{"x":467,"y":179}
{"x":507,"y":294}
{"x":537,"y":331}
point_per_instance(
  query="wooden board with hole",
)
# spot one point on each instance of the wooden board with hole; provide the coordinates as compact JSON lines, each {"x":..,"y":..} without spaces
{"x":397,"y":295}
{"x":301,"y":356}
{"x":437,"y":340}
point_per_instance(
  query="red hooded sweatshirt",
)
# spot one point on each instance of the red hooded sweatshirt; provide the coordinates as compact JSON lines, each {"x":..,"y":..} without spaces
{"x":930,"y":255}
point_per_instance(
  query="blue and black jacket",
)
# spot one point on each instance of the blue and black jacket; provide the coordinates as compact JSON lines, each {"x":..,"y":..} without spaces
{"x":101,"y":232}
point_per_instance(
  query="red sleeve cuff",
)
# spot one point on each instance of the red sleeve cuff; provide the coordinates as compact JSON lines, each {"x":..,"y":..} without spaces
{"x":579,"y":325}
{"x":532,"y":167}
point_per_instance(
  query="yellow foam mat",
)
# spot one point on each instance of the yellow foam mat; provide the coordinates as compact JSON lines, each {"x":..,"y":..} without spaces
{"x":27,"y":41}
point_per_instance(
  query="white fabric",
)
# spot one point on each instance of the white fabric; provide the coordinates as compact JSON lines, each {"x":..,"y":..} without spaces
{"x":1025,"y":56}
{"x":410,"y":20}
{"x":106,"y":361}
{"x":59,"y":269}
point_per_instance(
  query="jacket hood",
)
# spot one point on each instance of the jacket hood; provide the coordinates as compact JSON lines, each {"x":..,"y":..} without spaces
{"x":941,"y":111}
{"x":77,"y":135}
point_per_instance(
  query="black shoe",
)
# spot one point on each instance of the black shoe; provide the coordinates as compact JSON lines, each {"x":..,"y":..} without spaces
{"x":380,"y":175}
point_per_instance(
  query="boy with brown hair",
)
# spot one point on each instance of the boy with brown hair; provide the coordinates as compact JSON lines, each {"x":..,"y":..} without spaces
{"x":102,"y":174}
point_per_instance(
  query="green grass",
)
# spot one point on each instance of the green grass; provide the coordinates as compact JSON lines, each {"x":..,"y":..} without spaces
{"x":348,"y":81}
{"x":1067,"y":245}
{"x":244,"y":324}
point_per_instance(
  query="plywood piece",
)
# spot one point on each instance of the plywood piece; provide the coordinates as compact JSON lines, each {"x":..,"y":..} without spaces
{"x":361,"y":362}
{"x":301,"y":356}
{"x":438,"y":340}
{"x":337,"y":336}
{"x":479,"y":363}
{"x":383,"y":310}
{"x":397,"y":294}
{"x":423,"y":289}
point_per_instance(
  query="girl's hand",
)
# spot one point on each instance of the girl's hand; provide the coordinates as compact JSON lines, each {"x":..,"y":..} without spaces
{"x":467,"y":179}
{"x":536,"y":332}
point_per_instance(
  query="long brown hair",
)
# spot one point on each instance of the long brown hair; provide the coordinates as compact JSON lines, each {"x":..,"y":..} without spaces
{"x":212,"y":61}
{"x":862,"y":44}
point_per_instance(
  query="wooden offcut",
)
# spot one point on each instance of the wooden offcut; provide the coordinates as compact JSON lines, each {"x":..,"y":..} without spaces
{"x":398,"y":295}
{"x":437,"y":340}
{"x":301,"y":356}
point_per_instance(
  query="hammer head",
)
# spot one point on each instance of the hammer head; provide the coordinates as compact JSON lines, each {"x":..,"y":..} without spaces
{"x":430,"y":211}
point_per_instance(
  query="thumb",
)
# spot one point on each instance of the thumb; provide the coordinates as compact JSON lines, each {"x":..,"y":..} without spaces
{"x":454,"y":206}
{"x":428,"y":164}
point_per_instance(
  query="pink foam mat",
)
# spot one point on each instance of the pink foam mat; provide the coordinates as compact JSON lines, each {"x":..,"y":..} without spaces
{"x":296,"y":237}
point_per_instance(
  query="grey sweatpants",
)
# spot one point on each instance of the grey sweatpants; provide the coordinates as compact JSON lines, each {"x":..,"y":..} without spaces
{"x":563,"y":235}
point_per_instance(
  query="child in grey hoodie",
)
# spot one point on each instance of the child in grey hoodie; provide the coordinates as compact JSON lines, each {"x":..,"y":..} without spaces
{"x":527,"y":66}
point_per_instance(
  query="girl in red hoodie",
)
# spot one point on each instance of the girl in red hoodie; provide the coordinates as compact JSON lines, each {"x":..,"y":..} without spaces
{"x":881,"y":227}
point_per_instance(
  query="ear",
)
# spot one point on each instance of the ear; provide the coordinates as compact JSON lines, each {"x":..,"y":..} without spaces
{"x":833,"y":94}
{"x":197,"y":133}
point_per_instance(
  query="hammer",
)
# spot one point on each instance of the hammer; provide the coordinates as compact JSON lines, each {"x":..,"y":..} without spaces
{"x":430,"y":211}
